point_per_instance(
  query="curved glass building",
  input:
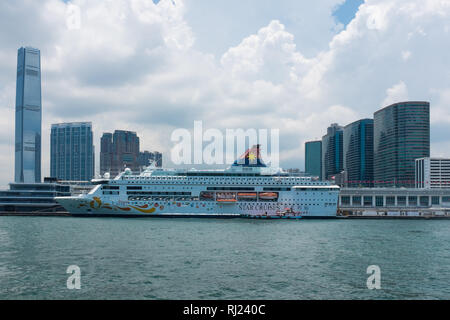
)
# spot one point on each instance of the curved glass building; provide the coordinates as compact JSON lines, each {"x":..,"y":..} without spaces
{"x":401,"y":135}
{"x":332,"y":159}
{"x":358,"y":153}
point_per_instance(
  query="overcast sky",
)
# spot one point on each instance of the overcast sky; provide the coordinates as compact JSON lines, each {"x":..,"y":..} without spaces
{"x":293,"y":65}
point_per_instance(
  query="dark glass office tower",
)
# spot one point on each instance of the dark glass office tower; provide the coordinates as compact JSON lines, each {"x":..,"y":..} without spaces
{"x":28,"y":116}
{"x":313,"y":158}
{"x":401,"y":135}
{"x":358,"y":153}
{"x":332,"y":145}
{"x":72,"y":151}
{"x":119,"y":150}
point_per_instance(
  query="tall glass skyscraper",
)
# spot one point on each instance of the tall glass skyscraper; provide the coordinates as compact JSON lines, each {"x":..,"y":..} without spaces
{"x":358,"y":153}
{"x":313,"y":158}
{"x":401,"y":135}
{"x":332,"y":159}
{"x":72,"y":151}
{"x":28,"y":116}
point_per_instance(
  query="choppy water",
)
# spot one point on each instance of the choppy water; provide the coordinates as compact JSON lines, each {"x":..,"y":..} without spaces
{"x":223,"y":259}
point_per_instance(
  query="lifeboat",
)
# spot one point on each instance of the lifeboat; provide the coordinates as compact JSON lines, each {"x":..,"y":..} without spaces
{"x":246,"y":195}
{"x":207,"y":195}
{"x":268,"y":195}
{"x":226,"y":197}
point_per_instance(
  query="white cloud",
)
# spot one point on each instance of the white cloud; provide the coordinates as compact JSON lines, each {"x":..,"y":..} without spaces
{"x":406,"y":55}
{"x":397,"y":93}
{"x":135,"y":65}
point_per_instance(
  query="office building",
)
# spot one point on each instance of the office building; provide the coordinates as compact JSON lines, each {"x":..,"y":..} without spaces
{"x":432,"y":173}
{"x":332,"y":147}
{"x":28,"y":116}
{"x":72,"y":151}
{"x":358,"y":153}
{"x":118,"y":151}
{"x":401,"y":135}
{"x":313,"y":158}
{"x":147,"y":158}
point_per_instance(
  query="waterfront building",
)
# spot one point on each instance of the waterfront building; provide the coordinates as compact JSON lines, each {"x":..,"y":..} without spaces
{"x":146,"y":158}
{"x":119,"y":151}
{"x":33,"y":197}
{"x":332,"y":147}
{"x":313,"y":158}
{"x":432,"y":173}
{"x":394,"y":201}
{"x":401,"y":135}
{"x":72,"y":151}
{"x":358,"y":153}
{"x":28,"y":116}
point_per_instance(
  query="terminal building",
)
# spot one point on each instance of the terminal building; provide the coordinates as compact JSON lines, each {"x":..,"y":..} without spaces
{"x":37,"y":198}
{"x":394,"y":201}
{"x":432,"y":173}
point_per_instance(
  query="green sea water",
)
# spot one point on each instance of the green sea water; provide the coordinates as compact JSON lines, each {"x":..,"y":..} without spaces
{"x":223,"y":259}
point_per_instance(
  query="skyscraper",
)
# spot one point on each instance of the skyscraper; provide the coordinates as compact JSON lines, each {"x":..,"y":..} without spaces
{"x":332,"y":159}
{"x":72,"y":151}
{"x":119,"y":150}
{"x":28,"y":116}
{"x":401,"y":135}
{"x":313,"y":158}
{"x":358,"y":153}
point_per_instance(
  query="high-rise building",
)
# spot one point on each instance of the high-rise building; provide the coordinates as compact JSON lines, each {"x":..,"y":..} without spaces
{"x":146,"y":158}
{"x":358,"y":153}
{"x":72,"y":151}
{"x":313,"y":158}
{"x":28,"y":116}
{"x":432,"y":173}
{"x":401,"y":135}
{"x":332,"y":145}
{"x":119,"y":150}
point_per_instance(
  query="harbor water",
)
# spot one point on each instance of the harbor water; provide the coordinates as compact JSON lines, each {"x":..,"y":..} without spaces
{"x":123,"y":258}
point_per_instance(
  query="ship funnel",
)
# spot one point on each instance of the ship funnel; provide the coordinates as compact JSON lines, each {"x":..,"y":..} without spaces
{"x":250,"y":158}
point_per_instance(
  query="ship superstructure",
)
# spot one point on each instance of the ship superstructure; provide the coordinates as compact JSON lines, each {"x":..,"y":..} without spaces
{"x":247,"y":187}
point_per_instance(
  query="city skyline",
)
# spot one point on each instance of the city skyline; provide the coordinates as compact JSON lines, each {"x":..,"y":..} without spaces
{"x":275,"y":69}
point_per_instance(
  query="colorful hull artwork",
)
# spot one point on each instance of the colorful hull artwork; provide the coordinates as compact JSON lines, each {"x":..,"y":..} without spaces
{"x":97,"y":204}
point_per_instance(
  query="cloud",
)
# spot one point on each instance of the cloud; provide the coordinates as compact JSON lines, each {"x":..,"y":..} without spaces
{"x":139,"y":66}
{"x":397,"y":93}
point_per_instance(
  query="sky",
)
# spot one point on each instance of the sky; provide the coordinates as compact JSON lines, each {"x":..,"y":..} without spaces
{"x":154,"y":67}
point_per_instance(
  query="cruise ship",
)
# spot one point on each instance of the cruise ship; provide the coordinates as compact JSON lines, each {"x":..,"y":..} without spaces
{"x":245,"y":189}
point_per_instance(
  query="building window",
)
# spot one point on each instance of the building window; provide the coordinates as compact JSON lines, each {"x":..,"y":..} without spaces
{"x":379,"y":201}
{"x":401,"y":201}
{"x":367,"y":201}
{"x":424,"y":200}
{"x":345,"y":200}
{"x":356,"y":200}
{"x":390,"y":201}
{"x":412,"y":201}
{"x":435,"y":200}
